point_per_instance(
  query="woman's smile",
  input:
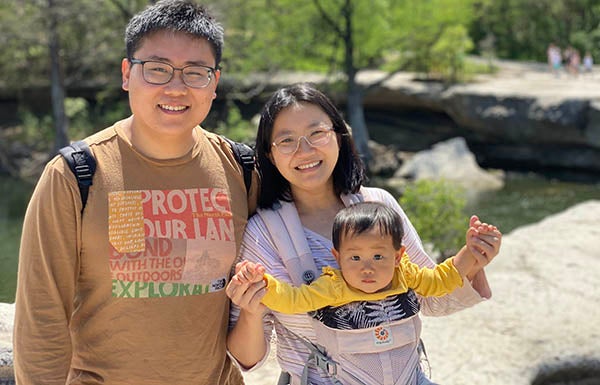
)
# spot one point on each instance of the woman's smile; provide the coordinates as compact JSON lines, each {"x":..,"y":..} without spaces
{"x":310,"y":165}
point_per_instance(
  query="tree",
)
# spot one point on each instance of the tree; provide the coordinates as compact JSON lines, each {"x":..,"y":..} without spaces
{"x":57,"y":86}
{"x":344,"y":36}
{"x":524,"y":28}
{"x":62,"y":45}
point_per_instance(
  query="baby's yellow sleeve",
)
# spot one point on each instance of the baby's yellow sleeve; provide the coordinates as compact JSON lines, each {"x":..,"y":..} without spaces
{"x":436,"y":282}
{"x":285,"y":298}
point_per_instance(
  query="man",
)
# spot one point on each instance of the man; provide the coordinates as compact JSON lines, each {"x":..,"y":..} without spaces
{"x":131,"y":290}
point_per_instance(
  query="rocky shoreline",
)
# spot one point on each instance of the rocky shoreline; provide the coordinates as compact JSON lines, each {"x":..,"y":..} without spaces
{"x":520,"y":118}
{"x":540,"y":327}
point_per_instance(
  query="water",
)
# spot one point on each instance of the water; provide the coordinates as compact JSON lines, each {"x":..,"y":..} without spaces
{"x":526,"y":198}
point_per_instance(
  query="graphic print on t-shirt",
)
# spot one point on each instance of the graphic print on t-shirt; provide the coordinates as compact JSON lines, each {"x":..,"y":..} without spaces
{"x":166,"y":243}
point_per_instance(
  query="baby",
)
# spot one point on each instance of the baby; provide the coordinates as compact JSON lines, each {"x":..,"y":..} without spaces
{"x":367,"y":244}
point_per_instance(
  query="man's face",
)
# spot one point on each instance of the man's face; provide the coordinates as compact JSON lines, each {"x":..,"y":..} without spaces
{"x":368,"y":260}
{"x":169,"y":111}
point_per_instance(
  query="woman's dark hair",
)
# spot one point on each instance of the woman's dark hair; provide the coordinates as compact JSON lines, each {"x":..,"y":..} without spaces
{"x":364,"y":216}
{"x":348,"y":174}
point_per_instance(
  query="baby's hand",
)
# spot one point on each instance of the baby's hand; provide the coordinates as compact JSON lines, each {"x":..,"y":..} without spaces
{"x":248,"y":272}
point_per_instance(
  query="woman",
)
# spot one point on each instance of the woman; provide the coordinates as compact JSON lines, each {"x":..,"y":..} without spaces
{"x":306,"y":156}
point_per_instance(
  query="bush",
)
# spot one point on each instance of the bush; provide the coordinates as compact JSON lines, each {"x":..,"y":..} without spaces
{"x":436,"y":210}
{"x":235,"y":127}
{"x":448,"y":53}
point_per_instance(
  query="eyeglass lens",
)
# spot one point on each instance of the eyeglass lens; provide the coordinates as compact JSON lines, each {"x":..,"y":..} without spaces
{"x":289,"y":144}
{"x":162,"y":73}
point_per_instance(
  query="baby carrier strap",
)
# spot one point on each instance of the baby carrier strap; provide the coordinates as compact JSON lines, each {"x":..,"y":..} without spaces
{"x":284,"y":226}
{"x":288,"y":235}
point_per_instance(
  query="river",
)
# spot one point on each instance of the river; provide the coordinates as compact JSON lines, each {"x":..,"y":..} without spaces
{"x":526,"y":198}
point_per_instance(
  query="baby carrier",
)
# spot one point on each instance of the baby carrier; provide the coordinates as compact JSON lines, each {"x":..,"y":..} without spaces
{"x":388,"y":352}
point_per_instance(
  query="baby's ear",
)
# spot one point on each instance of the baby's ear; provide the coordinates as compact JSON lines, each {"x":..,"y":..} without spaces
{"x":336,"y":255}
{"x":399,"y":253}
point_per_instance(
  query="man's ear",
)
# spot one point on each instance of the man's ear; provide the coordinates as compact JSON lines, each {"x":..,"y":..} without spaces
{"x":125,"y":73}
{"x":217,"y":74}
{"x":336,"y":255}
{"x":399,"y":254}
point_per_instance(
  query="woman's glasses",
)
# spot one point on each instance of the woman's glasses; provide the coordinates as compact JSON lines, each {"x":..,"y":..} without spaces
{"x":317,"y":137}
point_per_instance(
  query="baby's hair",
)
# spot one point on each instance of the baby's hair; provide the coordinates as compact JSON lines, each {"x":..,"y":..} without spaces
{"x":364,"y":216}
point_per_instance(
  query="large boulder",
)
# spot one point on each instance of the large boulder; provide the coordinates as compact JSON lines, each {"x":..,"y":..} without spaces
{"x":543,"y":320}
{"x":450,"y":160}
{"x":7,"y":315}
{"x":529,"y":121}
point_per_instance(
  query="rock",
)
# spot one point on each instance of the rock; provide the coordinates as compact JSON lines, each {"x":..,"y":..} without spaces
{"x":7,"y":315}
{"x":544,"y":312}
{"x":450,"y":160}
{"x":525,"y":120}
{"x":385,"y":162}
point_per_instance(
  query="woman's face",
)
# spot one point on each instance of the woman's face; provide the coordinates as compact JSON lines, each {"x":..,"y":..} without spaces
{"x":310,"y":167}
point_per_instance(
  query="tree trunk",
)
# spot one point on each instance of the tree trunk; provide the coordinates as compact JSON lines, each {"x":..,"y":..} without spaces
{"x":356,"y":119}
{"x":354,"y":108}
{"x":61,"y":124}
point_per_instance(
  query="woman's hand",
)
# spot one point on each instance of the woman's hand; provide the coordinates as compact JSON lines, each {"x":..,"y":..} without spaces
{"x":247,"y":287}
{"x":484,"y":245}
{"x":246,"y":341}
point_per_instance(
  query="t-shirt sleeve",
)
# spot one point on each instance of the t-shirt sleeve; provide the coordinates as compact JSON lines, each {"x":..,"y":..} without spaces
{"x":48,"y":267}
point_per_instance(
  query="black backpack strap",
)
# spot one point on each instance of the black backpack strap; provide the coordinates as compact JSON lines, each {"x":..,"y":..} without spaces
{"x":82,"y":163}
{"x":244,"y":155}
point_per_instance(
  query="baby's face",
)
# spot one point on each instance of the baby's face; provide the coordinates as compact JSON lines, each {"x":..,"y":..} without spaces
{"x":368,"y":260}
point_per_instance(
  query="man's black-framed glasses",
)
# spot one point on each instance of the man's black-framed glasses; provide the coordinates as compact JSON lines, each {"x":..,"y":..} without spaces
{"x":159,"y":73}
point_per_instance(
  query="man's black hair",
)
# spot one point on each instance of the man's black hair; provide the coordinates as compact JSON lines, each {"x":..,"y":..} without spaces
{"x":175,"y":16}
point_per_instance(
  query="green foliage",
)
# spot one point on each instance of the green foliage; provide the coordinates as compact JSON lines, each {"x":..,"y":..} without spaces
{"x":84,"y":119}
{"x":38,"y":131}
{"x":524,"y":28}
{"x":436,"y":210}
{"x":235,"y":127}
{"x":77,"y":111}
{"x":90,"y":33}
{"x":312,"y":35}
{"x":448,"y":52}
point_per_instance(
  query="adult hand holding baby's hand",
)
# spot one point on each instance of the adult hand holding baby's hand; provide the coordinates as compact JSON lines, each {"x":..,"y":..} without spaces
{"x":247,"y":287}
